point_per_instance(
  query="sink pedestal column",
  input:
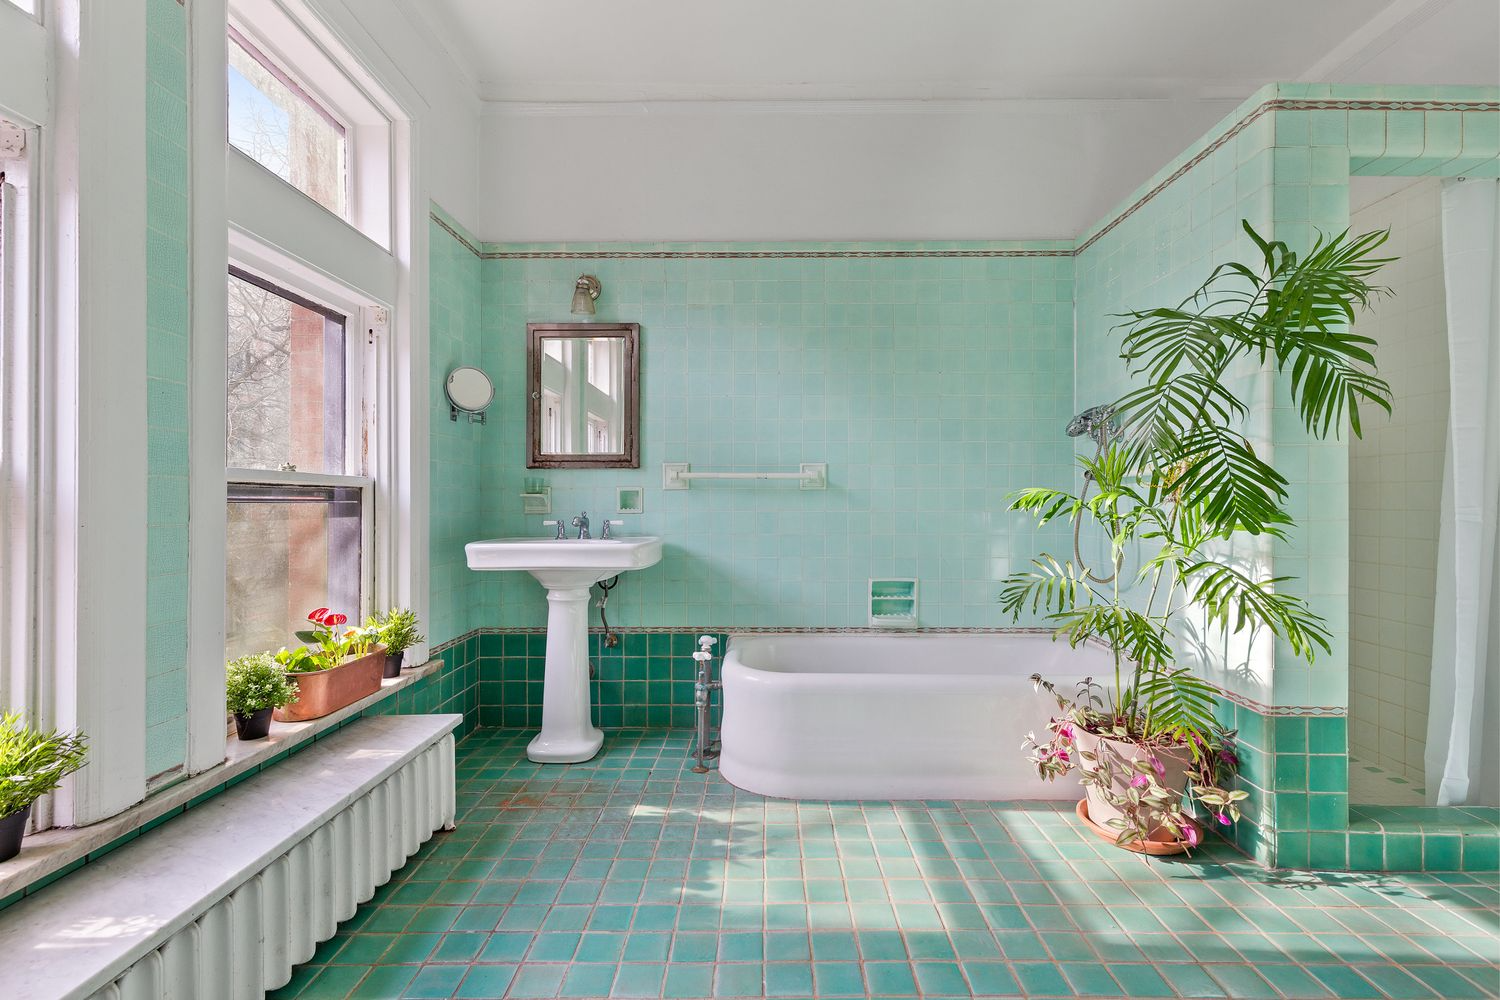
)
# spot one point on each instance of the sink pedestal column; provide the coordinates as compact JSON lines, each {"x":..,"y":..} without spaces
{"x":568,"y":734}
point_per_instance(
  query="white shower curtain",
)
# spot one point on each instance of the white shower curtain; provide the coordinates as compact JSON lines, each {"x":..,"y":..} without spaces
{"x":1462,"y":765}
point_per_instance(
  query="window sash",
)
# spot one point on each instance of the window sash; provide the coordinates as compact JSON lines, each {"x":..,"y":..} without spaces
{"x":255,"y":486}
{"x":358,"y":365}
{"x":344,"y":206}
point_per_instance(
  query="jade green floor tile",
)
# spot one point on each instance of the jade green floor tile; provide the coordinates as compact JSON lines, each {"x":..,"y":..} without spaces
{"x":630,"y":876}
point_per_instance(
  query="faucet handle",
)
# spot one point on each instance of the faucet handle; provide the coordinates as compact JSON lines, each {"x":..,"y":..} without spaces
{"x":562,"y":528}
{"x":604,"y":533}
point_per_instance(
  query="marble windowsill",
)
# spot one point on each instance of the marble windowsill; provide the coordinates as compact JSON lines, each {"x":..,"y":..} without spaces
{"x":43,"y":854}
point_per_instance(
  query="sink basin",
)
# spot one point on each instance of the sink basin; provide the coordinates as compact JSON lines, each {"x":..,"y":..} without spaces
{"x":563,"y":563}
{"x":567,"y":567}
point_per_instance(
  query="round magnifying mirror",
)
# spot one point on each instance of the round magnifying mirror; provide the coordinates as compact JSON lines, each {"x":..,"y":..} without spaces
{"x":470,"y":390}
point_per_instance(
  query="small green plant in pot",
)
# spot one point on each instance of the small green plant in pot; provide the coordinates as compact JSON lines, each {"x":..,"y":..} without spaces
{"x":32,"y":763}
{"x":255,"y":686}
{"x":398,"y":632}
{"x":1178,"y":477}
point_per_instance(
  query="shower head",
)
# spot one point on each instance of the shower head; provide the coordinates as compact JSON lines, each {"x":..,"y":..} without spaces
{"x":1098,"y":422}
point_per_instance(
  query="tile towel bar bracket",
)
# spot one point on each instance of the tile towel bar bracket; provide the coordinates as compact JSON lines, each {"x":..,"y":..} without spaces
{"x":679,"y":475}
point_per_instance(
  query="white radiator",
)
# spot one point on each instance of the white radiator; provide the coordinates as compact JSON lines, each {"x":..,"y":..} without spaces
{"x":248,"y":942}
{"x":223,"y":901}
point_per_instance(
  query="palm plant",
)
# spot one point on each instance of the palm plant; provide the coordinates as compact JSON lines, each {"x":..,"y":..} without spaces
{"x":1181,"y":475}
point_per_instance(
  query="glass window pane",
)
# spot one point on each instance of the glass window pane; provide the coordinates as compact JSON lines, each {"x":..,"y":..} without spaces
{"x":291,"y":549}
{"x":286,"y":392}
{"x":274,"y":122}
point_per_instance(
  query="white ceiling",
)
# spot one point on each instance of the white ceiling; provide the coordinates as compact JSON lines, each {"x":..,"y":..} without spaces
{"x":670,"y":50}
{"x":888,"y":119}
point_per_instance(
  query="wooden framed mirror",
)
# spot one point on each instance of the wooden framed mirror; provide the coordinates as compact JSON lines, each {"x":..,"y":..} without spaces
{"x":583,"y":388}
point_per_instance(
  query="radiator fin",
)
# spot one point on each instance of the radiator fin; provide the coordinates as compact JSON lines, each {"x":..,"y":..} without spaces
{"x":248,"y":942}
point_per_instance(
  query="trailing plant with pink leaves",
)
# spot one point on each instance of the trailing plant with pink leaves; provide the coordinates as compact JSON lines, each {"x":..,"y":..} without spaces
{"x":1179,"y":477}
{"x":1147,"y":805}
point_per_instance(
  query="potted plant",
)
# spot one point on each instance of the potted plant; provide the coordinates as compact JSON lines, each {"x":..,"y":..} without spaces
{"x":1177,"y":472}
{"x":397,"y":629}
{"x":254,"y":687}
{"x":337,"y":667}
{"x":32,"y":763}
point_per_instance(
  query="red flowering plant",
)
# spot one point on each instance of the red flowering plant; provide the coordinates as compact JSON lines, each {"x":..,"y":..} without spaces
{"x":328,"y":643}
{"x":1146,"y":803}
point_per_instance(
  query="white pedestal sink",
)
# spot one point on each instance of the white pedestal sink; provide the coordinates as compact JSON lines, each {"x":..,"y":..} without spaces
{"x":567,"y":567}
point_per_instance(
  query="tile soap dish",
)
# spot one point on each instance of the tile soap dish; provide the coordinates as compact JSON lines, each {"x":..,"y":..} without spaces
{"x":893,"y":603}
{"x":536,"y":498}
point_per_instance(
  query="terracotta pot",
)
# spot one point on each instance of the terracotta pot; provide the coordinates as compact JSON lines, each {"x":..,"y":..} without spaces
{"x":1152,"y":846}
{"x":255,"y":726}
{"x":393,"y":663}
{"x":321,"y":692}
{"x":12,"y":829}
{"x":1175,"y":761}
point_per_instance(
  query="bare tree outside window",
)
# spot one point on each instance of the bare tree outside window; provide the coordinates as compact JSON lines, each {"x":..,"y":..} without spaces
{"x":294,"y":544}
{"x":276,"y":123}
{"x":285,"y":399}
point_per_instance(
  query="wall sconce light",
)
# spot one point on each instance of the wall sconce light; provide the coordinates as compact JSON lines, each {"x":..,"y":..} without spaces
{"x":585,"y":290}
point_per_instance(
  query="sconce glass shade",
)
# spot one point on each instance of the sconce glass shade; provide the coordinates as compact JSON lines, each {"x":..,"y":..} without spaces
{"x":585,"y":291}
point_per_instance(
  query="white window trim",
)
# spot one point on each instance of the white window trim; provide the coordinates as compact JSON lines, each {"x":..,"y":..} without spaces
{"x":290,"y":35}
{"x":209,"y":262}
{"x":92,"y":425}
{"x":25,"y":683}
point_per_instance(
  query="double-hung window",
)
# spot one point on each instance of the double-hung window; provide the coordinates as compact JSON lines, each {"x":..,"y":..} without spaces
{"x":300,"y":490}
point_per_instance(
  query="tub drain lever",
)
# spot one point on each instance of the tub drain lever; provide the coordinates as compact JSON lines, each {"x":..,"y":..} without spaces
{"x":707,"y":749}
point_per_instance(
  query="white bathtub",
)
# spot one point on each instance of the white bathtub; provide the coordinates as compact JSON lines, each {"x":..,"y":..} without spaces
{"x":893,"y":717}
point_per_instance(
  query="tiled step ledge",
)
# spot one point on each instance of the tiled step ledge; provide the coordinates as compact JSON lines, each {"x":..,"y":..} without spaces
{"x":51,"y":854}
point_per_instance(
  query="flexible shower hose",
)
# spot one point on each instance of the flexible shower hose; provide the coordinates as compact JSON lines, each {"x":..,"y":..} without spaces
{"x":1088,"y":477}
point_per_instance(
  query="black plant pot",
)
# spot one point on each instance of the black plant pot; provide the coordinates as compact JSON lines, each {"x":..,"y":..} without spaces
{"x":255,"y":726}
{"x":393,"y":664}
{"x":12,"y":828}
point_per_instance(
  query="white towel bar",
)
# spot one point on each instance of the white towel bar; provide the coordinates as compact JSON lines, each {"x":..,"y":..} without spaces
{"x":679,"y":475}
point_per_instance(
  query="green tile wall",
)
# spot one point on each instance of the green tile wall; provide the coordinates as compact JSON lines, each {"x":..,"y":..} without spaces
{"x":458,"y":449}
{"x":167,"y":351}
{"x":646,"y":682}
{"x":931,"y":385}
{"x":1283,"y":160}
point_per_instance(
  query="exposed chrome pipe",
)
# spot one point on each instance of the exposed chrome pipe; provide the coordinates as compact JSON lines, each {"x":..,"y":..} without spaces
{"x":707,"y":749}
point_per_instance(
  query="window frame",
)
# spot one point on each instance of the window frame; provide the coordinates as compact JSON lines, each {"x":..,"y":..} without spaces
{"x":286,"y":46}
{"x":26,"y":682}
{"x":320,"y":106}
{"x":362,"y":362}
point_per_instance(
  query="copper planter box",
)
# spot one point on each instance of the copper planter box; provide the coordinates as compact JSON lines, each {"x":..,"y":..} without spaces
{"x":323,"y":692}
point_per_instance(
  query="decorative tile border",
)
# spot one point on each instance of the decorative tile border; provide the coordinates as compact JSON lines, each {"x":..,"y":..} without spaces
{"x":1273,"y":105}
{"x":1284,"y":711}
{"x":759,"y":254}
{"x":1261,"y":110}
{"x":442,"y":223}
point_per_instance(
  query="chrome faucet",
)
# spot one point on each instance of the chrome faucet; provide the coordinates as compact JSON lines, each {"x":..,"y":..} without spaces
{"x":604,"y":532}
{"x":581,"y":522}
{"x":562,"y":529}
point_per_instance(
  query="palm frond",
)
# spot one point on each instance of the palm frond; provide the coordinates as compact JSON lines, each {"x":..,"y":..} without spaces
{"x":1235,"y":600}
{"x":1176,"y":701}
{"x":1231,"y":483}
